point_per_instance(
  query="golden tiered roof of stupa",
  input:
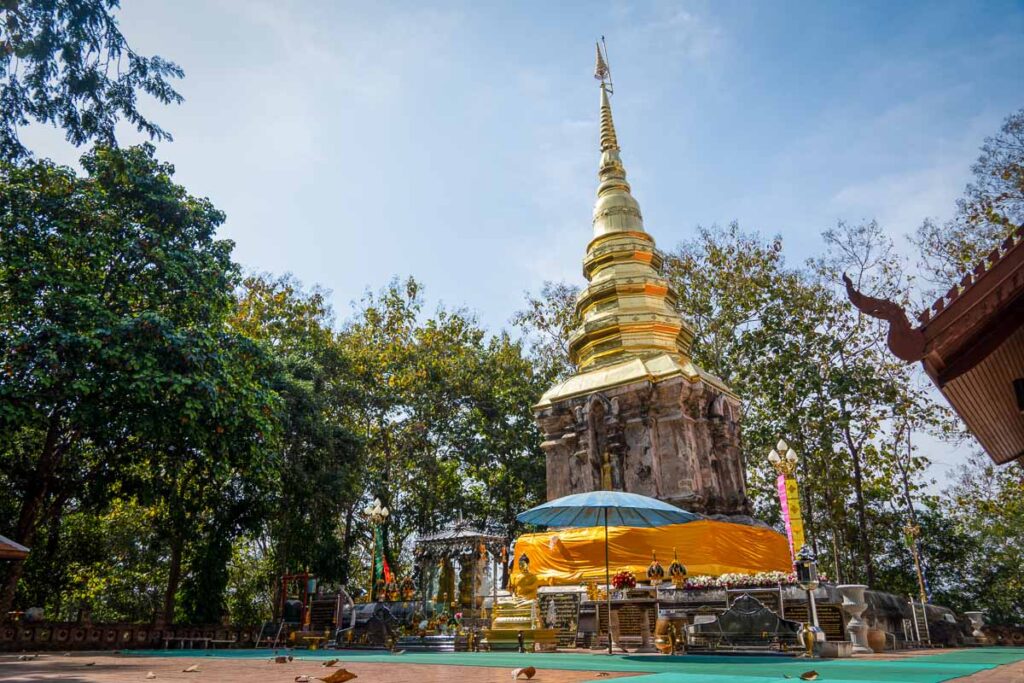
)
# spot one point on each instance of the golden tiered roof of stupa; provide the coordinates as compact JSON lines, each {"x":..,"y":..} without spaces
{"x":629,"y":326}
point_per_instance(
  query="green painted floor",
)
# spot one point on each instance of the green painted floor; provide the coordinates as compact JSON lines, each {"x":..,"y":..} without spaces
{"x":685,"y":669}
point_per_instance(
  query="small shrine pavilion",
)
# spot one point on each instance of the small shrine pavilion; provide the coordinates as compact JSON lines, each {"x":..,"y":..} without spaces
{"x":453,"y":566}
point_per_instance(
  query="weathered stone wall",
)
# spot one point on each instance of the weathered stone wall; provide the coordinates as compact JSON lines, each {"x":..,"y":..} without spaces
{"x":676,"y":441}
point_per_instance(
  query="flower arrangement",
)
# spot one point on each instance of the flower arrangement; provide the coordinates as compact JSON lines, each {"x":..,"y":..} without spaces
{"x":623,"y":580}
{"x":735,"y":580}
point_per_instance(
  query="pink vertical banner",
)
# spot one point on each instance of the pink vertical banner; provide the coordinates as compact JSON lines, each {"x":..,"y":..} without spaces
{"x":780,"y":483}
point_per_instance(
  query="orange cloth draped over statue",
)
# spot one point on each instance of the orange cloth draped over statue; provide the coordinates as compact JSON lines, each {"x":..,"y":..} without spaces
{"x":572,"y":556}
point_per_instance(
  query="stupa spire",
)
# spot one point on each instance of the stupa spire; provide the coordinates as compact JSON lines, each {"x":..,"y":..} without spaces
{"x":604,"y":74}
{"x":628,"y":310}
{"x":609,"y":141}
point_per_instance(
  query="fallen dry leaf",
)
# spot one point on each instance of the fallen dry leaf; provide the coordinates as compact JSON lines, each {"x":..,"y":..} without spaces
{"x":302,"y":678}
{"x":339,"y":676}
{"x":280,"y":659}
{"x":191,"y":669}
{"x":329,"y":662}
{"x":150,"y":676}
{"x":809,"y":676}
{"x":527,"y":671}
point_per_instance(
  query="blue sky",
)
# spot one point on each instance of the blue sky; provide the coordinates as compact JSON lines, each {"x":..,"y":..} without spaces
{"x":352,"y":141}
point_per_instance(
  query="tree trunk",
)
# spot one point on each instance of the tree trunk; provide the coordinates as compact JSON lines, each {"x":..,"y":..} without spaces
{"x":858,"y":489}
{"x":35,"y":495}
{"x":346,"y":544}
{"x":56,"y":515}
{"x":173,"y":579}
{"x":808,"y":502}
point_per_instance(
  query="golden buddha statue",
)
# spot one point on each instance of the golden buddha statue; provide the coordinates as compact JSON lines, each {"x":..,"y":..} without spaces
{"x":526,"y":583}
{"x":606,"y":472}
{"x":516,"y":617}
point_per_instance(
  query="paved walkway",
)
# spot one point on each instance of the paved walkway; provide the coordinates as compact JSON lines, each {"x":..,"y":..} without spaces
{"x":129,"y":669}
{"x":978,"y":665}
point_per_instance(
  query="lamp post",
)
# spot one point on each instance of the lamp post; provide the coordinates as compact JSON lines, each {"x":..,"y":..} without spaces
{"x":784,"y":459}
{"x":807,"y":577}
{"x":913,"y":531}
{"x":376,"y":514}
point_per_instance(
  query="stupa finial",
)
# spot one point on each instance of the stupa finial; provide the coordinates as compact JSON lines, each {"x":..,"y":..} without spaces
{"x":603,"y":73}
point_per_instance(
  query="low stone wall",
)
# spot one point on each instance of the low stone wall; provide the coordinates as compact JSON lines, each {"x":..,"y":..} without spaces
{"x":74,"y":636}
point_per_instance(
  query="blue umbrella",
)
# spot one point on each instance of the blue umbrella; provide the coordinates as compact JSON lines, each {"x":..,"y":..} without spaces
{"x":617,"y":508}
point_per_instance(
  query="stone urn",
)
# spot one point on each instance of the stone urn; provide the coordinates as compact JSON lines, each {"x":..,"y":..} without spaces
{"x":854,"y":606}
{"x":977,"y":621}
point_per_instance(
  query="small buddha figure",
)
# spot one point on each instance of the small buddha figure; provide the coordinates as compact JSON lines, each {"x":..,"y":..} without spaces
{"x":606,"y":472}
{"x":408,"y":588}
{"x":676,"y":570}
{"x":526,"y":583}
{"x":655,"y":572}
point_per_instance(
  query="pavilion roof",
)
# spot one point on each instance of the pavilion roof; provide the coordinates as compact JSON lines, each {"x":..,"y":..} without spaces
{"x":971,"y":344}
{"x":10,"y":550}
{"x":457,"y":534}
{"x":459,"y":539}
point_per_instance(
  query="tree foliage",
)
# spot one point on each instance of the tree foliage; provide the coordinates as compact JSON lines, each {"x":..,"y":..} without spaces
{"x":66,"y":63}
{"x":978,"y":566}
{"x":991,"y":208}
{"x":119,"y":377}
{"x":211,"y":432}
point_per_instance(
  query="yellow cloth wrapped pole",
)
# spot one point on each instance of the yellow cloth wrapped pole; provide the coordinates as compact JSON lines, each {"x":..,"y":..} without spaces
{"x":560,"y":557}
{"x":608,"y":582}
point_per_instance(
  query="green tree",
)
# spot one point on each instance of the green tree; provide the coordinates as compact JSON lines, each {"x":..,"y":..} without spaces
{"x":112,"y":347}
{"x":66,"y":63}
{"x":991,"y":208}
{"x":547,"y":321}
{"x":505,"y":467}
{"x":445,"y":416}
{"x":413,"y":377}
{"x":978,"y":565}
{"x":320,"y":458}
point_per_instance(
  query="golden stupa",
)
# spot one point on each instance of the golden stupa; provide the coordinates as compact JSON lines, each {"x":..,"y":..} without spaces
{"x":639,"y":415}
{"x":630,"y":327}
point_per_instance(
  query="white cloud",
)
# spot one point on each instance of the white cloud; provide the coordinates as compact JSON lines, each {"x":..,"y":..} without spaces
{"x":900,"y":201}
{"x":675,"y":33}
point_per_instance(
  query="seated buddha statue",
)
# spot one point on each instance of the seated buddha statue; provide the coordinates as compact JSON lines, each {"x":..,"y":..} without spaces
{"x":526,"y":583}
{"x":519,"y":610}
